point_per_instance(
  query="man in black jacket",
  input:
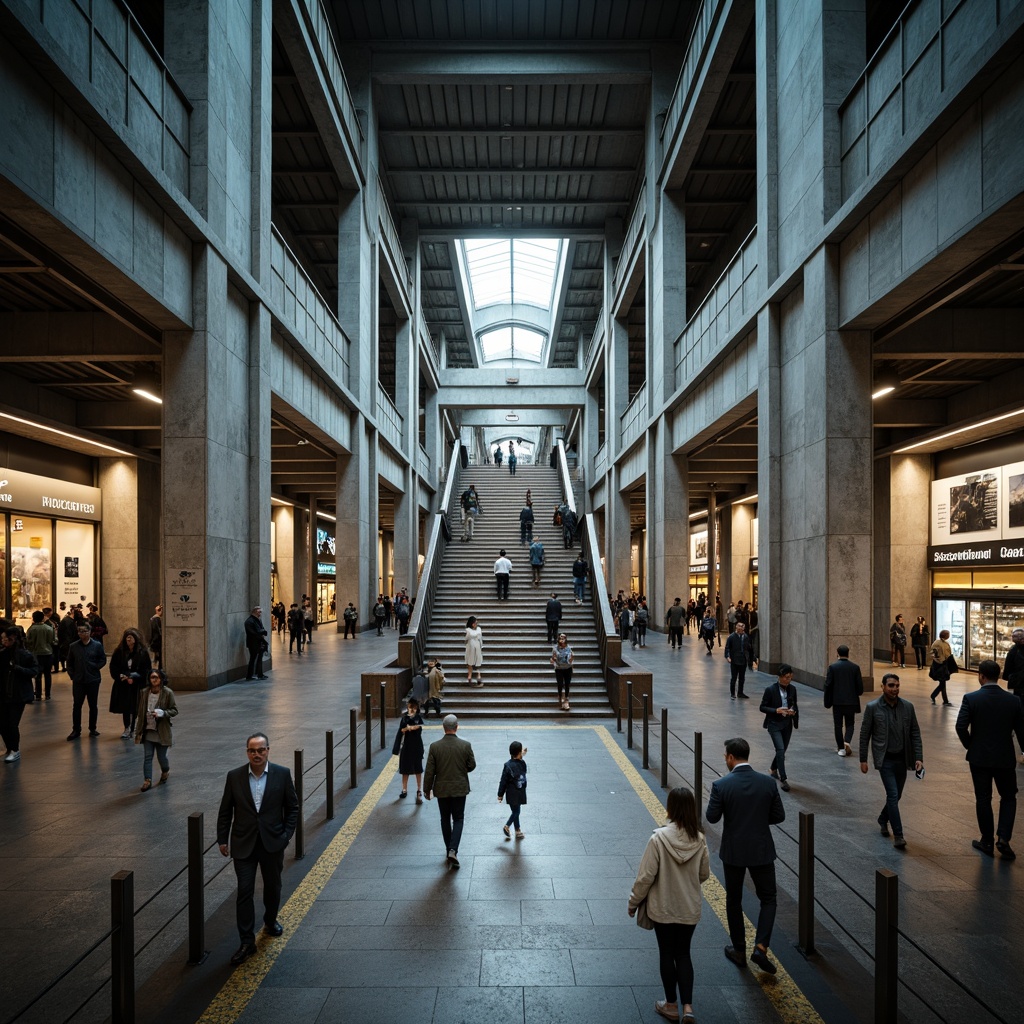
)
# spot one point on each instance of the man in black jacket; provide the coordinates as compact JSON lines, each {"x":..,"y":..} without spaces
{"x":254,"y":641}
{"x":750,"y":803}
{"x":86,"y":659}
{"x":553,"y":616}
{"x":986,"y":725}
{"x":259,"y":813}
{"x":781,"y":717}
{"x":1013,"y":667}
{"x":739,"y":654}
{"x":843,"y":688}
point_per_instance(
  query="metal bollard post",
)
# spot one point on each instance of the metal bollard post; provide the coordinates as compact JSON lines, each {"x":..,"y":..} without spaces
{"x":618,"y":718}
{"x":664,"y":748}
{"x":329,"y":769}
{"x":353,"y":725}
{"x":300,"y":845}
{"x":122,"y":948}
{"x":629,"y":713}
{"x":698,"y":766}
{"x":805,"y":905}
{"x":383,"y":722}
{"x":368,"y":715}
{"x":196,"y":891}
{"x":886,"y":946}
{"x":647,"y":763}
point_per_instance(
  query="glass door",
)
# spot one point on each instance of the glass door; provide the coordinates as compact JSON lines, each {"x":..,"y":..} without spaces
{"x":950,"y":614}
{"x":1009,"y":616}
{"x":982,"y":632}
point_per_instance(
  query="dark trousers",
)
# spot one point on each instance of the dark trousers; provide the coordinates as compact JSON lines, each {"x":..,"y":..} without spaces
{"x":780,"y":734}
{"x":737,"y":673}
{"x":270,"y":865}
{"x":1005,"y":778}
{"x":45,"y":663}
{"x":453,"y":810}
{"x":842,"y":719}
{"x":940,"y":690}
{"x":552,"y":631}
{"x":255,"y":662}
{"x":295,"y":637}
{"x":763,"y":877}
{"x":564,"y":679}
{"x":380,"y":627}
{"x":675,"y":634}
{"x":80,"y":693}
{"x":526,"y":533}
{"x":919,"y":653}
{"x":894,"y":777}
{"x":350,"y":627}
{"x":674,"y":959}
{"x":501,"y":579}
{"x":10,"y":725}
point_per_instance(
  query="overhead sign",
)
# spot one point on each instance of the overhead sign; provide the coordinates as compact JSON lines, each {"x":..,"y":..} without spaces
{"x":39,"y":495}
{"x":950,"y":556}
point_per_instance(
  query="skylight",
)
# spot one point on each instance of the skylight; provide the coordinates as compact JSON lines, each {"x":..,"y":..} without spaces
{"x":511,"y":343}
{"x":512,"y":270}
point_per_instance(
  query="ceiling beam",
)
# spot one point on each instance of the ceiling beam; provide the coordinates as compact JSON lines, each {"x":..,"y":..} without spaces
{"x":892,"y":411}
{"x":515,"y":204}
{"x":463,"y":172}
{"x":457,"y":131}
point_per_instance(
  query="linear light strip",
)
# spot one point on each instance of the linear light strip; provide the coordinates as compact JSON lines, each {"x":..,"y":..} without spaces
{"x":960,"y":430}
{"x":64,"y":433}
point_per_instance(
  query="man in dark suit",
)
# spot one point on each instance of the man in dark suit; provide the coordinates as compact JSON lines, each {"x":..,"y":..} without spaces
{"x":987,"y":722}
{"x":781,"y":717}
{"x":843,"y":688}
{"x":750,"y":803}
{"x":1013,"y":668}
{"x":739,"y":654}
{"x":255,"y":642}
{"x":449,"y":762}
{"x":261,"y":811}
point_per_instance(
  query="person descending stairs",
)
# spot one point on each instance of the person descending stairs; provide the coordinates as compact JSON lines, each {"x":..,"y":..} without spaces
{"x":518,"y":677}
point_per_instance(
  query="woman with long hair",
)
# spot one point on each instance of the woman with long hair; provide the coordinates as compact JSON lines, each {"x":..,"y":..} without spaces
{"x":129,"y":669}
{"x":153,"y":728}
{"x":17,"y":672}
{"x":667,"y":885}
{"x":474,"y":650}
{"x":410,"y":757}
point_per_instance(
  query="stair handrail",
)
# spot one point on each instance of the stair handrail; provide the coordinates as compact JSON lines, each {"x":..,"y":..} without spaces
{"x":564,"y":478}
{"x":411,"y":646}
{"x":608,"y":639}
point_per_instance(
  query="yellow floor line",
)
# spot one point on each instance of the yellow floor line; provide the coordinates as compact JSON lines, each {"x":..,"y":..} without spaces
{"x":232,"y":999}
{"x":782,"y":991}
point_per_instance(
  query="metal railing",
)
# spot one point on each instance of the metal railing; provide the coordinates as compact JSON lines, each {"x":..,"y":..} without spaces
{"x":633,"y":422}
{"x":327,"y":51}
{"x":601,"y":462}
{"x":597,"y":338}
{"x":423,"y":462}
{"x":107,"y":48}
{"x":389,"y":419}
{"x":728,"y":308}
{"x":412,"y":646}
{"x":683,"y":93}
{"x":432,"y":342}
{"x":927,"y":52}
{"x":637,"y":220}
{"x":391,"y":237}
{"x":305,"y":313}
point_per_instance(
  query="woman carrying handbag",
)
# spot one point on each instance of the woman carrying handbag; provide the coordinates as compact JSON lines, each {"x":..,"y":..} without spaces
{"x":942,"y":664}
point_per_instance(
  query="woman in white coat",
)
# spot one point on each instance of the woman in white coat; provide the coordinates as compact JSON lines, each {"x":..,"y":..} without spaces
{"x":474,"y":650}
{"x":671,"y":871}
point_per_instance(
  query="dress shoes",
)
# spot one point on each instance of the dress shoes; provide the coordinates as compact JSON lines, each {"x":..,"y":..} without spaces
{"x":94,"y":732}
{"x":884,"y":827}
{"x":244,"y":951}
{"x":899,"y":843}
{"x":980,"y":844}
{"x":275,"y":930}
{"x":760,"y":957}
{"x":738,"y":958}
{"x":74,"y":736}
{"x":1004,"y":850}
{"x":784,"y":785}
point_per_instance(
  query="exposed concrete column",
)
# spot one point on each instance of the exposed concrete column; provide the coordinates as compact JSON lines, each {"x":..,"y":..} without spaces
{"x":356,"y":547}
{"x":312,"y":552}
{"x":288,"y":523}
{"x":668,"y":524}
{"x":666,"y":289}
{"x":616,"y":384}
{"x":407,"y":534}
{"x":357,"y":294}
{"x":712,"y":548}
{"x":208,"y":462}
{"x":129,"y":544}
{"x":902,"y":500}
{"x":820,"y":583}
{"x":618,"y":536}
{"x":765,"y":41}
{"x":259,"y":511}
{"x":736,"y":574}
{"x":407,"y":379}
{"x":726,"y":550}
{"x":769,"y":486}
{"x":588,"y":437}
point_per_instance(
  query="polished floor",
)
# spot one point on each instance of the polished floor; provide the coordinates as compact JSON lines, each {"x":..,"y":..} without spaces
{"x":377,"y":928}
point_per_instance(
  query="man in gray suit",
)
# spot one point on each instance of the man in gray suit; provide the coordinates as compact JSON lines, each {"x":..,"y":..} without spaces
{"x":449,"y":762}
{"x":750,"y":803}
{"x":260,"y":811}
{"x":988,"y":719}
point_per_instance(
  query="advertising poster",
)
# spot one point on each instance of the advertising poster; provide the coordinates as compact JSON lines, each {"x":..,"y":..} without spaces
{"x":1013,"y":495}
{"x":699,"y":551}
{"x":966,"y":507}
{"x":185,"y":601}
{"x":75,"y":569}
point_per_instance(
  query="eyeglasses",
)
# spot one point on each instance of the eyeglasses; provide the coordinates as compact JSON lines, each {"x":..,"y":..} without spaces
{"x":257,"y":750}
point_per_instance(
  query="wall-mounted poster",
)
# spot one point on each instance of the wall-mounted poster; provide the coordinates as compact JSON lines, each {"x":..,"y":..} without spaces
{"x":699,"y":550}
{"x":966,"y":507}
{"x":1013,"y":495}
{"x":185,"y":600}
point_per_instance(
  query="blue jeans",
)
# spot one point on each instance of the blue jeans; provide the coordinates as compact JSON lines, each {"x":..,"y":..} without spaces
{"x":147,"y":761}
{"x":578,"y":586}
{"x":781,"y":733}
{"x":513,"y":818}
{"x":894,"y":778}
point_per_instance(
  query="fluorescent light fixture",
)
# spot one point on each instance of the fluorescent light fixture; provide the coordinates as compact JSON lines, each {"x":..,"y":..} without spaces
{"x":64,"y":433}
{"x":143,"y":393}
{"x":886,"y":389}
{"x":749,"y":499}
{"x":698,"y":515}
{"x":886,"y":382}
{"x":327,"y":515}
{"x":146,"y":385}
{"x":961,"y":430}
{"x":512,"y":417}
{"x":281,"y":501}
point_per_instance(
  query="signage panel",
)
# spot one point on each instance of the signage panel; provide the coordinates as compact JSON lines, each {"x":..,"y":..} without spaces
{"x":185,"y":597}
{"x":39,"y":495}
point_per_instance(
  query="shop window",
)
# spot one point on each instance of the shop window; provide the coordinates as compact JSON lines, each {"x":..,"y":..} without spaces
{"x":31,"y":565}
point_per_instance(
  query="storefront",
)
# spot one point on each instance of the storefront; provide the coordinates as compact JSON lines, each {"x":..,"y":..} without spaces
{"x":326,"y":572}
{"x":48,"y":544}
{"x":977,"y":560}
{"x":699,"y":557}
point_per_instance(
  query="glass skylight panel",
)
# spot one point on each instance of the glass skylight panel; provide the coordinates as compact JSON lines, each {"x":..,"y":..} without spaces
{"x":501,"y":343}
{"x":511,"y":270}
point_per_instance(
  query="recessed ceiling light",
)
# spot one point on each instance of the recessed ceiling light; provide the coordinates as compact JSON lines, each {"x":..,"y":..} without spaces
{"x":961,"y":430}
{"x":302,"y":440}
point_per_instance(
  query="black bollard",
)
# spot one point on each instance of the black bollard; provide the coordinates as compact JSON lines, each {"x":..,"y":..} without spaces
{"x":805,"y":907}
{"x":664,"y":748}
{"x":300,"y":845}
{"x":886,"y":946}
{"x":383,"y":723}
{"x":122,"y":948}
{"x":647,"y":763}
{"x":629,"y":713}
{"x":196,"y":891}
{"x":353,"y":725}
{"x":329,"y":770}
{"x":698,"y":767}
{"x":368,"y":715}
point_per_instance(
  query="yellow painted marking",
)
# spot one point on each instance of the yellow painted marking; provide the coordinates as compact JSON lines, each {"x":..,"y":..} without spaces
{"x":232,"y":999}
{"x":782,"y":991}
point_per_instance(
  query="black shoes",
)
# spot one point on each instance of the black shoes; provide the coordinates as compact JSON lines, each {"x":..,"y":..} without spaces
{"x":94,"y":732}
{"x":275,"y":930}
{"x":784,"y":785}
{"x":1004,"y":850}
{"x":74,"y":736}
{"x":980,"y":844}
{"x":244,"y":951}
{"x":760,"y":957}
{"x":742,"y":696}
{"x":738,"y":958}
{"x":884,"y":826}
{"x":899,"y":843}
{"x":261,"y":677}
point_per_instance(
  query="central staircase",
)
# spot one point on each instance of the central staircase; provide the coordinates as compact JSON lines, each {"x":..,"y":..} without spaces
{"x":518,"y":678}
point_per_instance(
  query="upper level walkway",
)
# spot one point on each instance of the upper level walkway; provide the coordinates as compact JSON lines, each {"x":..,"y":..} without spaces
{"x":378,"y":929}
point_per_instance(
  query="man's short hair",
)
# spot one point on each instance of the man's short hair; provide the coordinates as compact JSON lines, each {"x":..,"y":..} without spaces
{"x":785,"y":670}
{"x":843,"y":651}
{"x":989,"y":670}
{"x":85,"y":628}
{"x":501,"y":553}
{"x":739,"y":748}
{"x":1017,"y":632}
{"x":258,"y":736}
{"x":449,"y":723}
{"x":888,"y":676}
{"x":256,"y":608}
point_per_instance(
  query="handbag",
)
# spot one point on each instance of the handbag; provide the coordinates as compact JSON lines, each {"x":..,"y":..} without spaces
{"x":938,"y":672}
{"x":643,"y":919}
{"x":397,"y":745}
{"x":951,"y":666}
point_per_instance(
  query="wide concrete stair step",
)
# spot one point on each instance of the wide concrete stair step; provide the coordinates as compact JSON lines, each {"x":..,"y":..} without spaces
{"x":518,"y":678}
